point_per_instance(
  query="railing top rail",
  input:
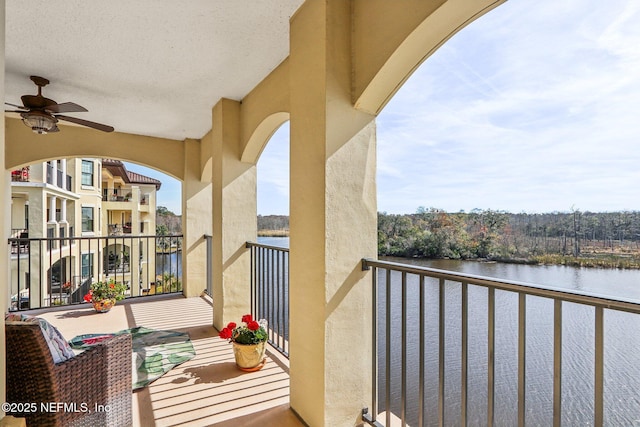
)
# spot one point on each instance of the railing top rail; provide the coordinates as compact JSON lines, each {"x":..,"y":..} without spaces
{"x":260,"y":245}
{"x":111,"y":237}
{"x":620,"y":304}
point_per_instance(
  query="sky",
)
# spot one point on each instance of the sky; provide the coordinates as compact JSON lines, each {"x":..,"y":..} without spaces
{"x":534,"y":107}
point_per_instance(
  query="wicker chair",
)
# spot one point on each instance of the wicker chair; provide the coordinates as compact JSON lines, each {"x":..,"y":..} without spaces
{"x":99,"y":378}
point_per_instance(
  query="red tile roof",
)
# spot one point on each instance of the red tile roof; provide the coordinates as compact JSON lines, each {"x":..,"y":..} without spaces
{"x":117,"y":168}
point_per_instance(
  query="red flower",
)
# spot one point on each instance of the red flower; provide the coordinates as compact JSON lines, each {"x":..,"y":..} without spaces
{"x":88,"y":297}
{"x":247,"y":318}
{"x":225,"y":333}
{"x":112,"y":285}
{"x":253,"y":325}
{"x":231,"y":325}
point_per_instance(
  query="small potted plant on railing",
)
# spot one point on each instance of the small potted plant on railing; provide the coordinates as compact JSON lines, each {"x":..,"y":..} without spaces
{"x":103,"y":295}
{"x":248,"y":341}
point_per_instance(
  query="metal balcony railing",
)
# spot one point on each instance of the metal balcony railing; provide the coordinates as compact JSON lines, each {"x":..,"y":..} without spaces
{"x":419,"y":310}
{"x":57,"y":178}
{"x":59,"y":271}
{"x":116,"y":194}
{"x":209,"y":273}
{"x":119,"y":229}
{"x":270,"y":291}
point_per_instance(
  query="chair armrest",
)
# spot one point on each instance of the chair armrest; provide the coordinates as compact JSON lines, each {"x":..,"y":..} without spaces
{"x":101,"y":375}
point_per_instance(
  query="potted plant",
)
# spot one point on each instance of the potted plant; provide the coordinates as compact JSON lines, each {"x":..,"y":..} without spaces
{"x":103,"y":295}
{"x":248,"y":341}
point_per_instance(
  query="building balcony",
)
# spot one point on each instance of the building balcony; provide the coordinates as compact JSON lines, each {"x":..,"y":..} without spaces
{"x":119,"y":229}
{"x":20,"y":175}
{"x":206,"y":390}
{"x":116,"y":195}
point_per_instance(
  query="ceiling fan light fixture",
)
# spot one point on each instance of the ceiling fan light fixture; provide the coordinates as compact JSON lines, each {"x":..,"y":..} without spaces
{"x":39,"y":122}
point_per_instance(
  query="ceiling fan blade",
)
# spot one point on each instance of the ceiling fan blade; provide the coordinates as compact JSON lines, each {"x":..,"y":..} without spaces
{"x":17,"y":106}
{"x":65,"y":107}
{"x":87,"y":123}
{"x":14,"y":111}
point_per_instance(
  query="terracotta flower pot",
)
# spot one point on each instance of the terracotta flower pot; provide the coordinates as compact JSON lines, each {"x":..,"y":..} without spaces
{"x":102,"y":306}
{"x":249,"y":357}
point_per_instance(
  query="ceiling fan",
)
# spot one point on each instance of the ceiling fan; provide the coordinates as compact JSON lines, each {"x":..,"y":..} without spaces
{"x":41,"y":114}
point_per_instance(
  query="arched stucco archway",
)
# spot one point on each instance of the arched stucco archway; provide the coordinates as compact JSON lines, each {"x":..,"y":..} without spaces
{"x":405,"y":37}
{"x":262,"y":134}
{"x":24,"y":147}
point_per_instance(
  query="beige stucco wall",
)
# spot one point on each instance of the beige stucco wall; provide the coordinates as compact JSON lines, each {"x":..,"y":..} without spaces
{"x":26,"y":147}
{"x":332,"y":223}
{"x":234,"y":208}
{"x":5,"y":221}
{"x":263,"y":110}
{"x":405,"y":35}
{"x":196,"y":221}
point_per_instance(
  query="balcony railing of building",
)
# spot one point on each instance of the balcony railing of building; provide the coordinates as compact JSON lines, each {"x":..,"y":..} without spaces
{"x":57,"y":178}
{"x":209,"y":273}
{"x":20,"y":175}
{"x":419,"y":310}
{"x":42,"y":277}
{"x":19,"y":242}
{"x":116,"y":195}
{"x":270,"y":291}
{"x":119,"y":229}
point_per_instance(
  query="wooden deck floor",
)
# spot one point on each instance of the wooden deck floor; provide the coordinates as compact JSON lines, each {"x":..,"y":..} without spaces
{"x":207,"y":390}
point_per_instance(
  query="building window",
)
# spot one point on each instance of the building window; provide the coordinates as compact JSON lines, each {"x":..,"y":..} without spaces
{"x":87,"y":172}
{"x":87,"y":265}
{"x":87,"y":218}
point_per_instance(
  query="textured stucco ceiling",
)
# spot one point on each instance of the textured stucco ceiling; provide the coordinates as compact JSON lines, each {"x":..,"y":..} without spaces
{"x":149,"y":67}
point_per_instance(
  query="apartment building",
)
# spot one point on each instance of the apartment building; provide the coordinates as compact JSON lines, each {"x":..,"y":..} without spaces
{"x":76,"y":220}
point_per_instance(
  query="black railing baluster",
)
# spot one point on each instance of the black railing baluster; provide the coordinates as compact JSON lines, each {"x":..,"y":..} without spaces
{"x":65,"y":255}
{"x":269,"y":291}
{"x":390,"y":391}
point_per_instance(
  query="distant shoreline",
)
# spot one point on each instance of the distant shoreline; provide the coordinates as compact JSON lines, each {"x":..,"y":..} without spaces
{"x":273,"y":233}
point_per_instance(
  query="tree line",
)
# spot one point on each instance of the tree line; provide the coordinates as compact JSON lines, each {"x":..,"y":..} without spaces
{"x":573,"y":237}
{"x":167,"y":222}
{"x":433,"y":233}
{"x":273,"y":225}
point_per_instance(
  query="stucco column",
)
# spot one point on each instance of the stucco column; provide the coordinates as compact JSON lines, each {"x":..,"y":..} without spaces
{"x":332,"y":222}
{"x":54,"y":173}
{"x":52,"y":209}
{"x":196,"y":221}
{"x":63,"y":168}
{"x":234,"y":216}
{"x":5,"y":222}
{"x":63,"y":210}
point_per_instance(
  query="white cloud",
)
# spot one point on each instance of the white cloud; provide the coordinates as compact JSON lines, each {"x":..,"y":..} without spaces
{"x":533,"y":107}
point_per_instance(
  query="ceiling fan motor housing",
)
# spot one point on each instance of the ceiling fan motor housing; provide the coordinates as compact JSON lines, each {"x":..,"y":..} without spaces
{"x":38,"y":121}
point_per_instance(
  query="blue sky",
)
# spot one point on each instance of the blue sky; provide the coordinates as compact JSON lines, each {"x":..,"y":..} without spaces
{"x":535,"y":107}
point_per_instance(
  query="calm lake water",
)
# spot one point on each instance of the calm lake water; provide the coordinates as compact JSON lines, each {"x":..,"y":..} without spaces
{"x":622,"y":346}
{"x":169,"y":263}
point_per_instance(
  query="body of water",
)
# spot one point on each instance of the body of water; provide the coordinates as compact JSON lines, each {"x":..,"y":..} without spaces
{"x":622,"y":345}
{"x":170,"y":263}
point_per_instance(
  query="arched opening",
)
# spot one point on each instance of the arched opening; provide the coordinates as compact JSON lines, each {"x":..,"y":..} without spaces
{"x":273,"y":189}
{"x":77,"y":220}
{"x":525,"y":111}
